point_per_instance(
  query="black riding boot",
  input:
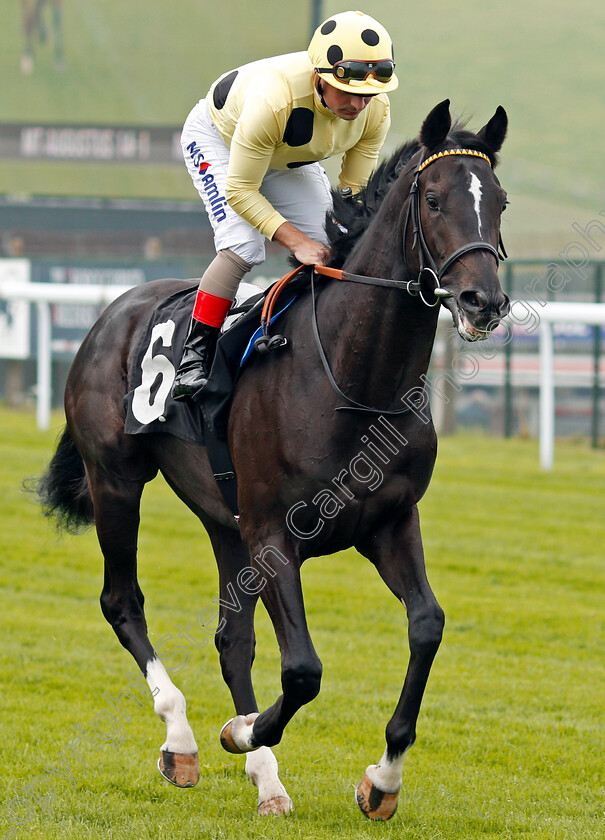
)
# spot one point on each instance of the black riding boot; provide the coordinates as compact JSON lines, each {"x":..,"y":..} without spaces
{"x":196,"y":361}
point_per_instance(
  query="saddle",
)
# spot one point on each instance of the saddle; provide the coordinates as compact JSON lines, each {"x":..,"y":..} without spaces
{"x":149,"y":406}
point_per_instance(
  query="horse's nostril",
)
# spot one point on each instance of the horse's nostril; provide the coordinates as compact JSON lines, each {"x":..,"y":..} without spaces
{"x":473,"y":300}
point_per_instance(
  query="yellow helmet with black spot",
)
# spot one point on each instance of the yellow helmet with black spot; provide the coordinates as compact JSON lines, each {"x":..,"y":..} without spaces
{"x":354,"y":53}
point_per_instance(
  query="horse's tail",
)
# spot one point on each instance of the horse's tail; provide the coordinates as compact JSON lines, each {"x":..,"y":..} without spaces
{"x":63,"y":489}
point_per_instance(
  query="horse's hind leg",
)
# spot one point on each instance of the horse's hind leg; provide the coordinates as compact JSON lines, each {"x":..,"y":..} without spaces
{"x":235,"y":643}
{"x":116,"y":507}
{"x":396,"y":551}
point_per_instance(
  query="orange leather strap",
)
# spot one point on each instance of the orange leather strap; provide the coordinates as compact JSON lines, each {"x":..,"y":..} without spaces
{"x":336,"y":273}
{"x":272,"y":295}
{"x":276,"y":290}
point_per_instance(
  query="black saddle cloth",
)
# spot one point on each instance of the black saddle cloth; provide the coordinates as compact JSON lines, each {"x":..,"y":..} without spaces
{"x":203,"y":420}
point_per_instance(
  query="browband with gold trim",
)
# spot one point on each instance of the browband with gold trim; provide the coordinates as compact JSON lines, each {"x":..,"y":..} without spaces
{"x":449,"y":152}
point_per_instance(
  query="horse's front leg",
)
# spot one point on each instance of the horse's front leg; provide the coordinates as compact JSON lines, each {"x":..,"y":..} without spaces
{"x":396,"y":551}
{"x":278,"y":579}
{"x":235,"y":643}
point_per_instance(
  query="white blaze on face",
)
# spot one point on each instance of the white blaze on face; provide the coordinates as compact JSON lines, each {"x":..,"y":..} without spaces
{"x":476,"y":192}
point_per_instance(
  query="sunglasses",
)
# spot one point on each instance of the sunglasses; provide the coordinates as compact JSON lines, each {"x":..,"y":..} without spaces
{"x":358,"y":71}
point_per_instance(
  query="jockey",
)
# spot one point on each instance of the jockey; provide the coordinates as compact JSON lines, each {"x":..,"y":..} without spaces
{"x":253,"y":146}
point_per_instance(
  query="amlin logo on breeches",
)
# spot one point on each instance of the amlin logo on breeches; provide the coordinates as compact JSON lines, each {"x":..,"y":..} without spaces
{"x":217,"y":202}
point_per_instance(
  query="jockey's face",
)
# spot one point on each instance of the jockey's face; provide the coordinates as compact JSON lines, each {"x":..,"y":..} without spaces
{"x":347,"y":106}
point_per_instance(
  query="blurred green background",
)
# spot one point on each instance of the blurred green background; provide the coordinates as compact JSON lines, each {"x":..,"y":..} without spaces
{"x":146,"y":62}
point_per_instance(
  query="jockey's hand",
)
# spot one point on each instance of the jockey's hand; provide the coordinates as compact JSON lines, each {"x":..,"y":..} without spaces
{"x":307,"y":251}
{"x":312,"y":253}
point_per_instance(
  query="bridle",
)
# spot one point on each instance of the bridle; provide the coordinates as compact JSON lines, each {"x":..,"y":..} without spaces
{"x":428,"y":272}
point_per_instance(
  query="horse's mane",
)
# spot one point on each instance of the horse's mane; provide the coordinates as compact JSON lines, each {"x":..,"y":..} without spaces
{"x":350,"y":218}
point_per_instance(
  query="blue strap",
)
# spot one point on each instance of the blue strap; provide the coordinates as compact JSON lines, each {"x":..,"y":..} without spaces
{"x":257,"y":334}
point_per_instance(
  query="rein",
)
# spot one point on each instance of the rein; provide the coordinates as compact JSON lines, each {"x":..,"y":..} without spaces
{"x":427,"y":273}
{"x":410,"y":286}
{"x":352,"y":405}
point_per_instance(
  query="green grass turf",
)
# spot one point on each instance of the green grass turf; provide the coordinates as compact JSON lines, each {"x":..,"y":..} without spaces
{"x":510,"y":738}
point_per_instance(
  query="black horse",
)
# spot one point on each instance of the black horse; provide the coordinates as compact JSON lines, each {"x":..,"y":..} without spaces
{"x":428,"y":228}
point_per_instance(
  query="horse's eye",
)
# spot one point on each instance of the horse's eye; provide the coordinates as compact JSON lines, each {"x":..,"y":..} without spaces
{"x":505,"y":205}
{"x":432,"y":202}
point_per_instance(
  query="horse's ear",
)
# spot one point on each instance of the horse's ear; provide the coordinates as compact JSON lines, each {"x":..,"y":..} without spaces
{"x":436,"y":126}
{"x":494,"y":132}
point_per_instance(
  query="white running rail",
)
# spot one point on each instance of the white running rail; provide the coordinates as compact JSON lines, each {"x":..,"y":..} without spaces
{"x":43,"y":295}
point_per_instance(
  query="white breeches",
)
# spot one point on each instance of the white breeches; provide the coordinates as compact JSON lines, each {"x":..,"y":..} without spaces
{"x":301,"y":195}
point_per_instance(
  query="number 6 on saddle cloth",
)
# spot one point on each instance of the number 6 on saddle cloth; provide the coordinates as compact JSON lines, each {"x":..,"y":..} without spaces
{"x":150,"y":408}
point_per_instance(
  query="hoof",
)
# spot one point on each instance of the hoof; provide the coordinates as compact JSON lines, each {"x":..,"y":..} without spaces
{"x":375,"y":804}
{"x":277,"y":806}
{"x":179,"y":769}
{"x":233,"y":739}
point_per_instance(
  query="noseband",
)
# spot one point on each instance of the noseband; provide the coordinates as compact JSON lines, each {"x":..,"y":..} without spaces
{"x":428,"y":269}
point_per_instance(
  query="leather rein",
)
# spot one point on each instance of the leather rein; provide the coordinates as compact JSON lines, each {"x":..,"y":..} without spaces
{"x":428,"y":273}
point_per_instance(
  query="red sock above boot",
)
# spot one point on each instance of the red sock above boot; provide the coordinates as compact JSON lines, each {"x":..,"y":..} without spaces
{"x":210,"y":309}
